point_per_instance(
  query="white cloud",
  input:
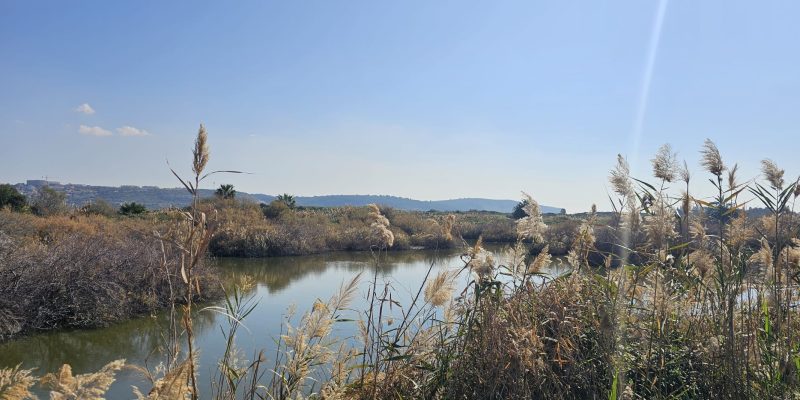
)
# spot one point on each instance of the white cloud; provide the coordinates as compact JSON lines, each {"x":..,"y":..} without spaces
{"x":85,"y":108}
{"x":131,"y":131}
{"x":93,"y":131}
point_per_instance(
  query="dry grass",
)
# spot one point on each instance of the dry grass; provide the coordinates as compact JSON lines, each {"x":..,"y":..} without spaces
{"x":672,"y":296}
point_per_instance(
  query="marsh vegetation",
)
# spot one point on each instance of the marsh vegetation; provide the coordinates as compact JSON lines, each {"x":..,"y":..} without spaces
{"x":671,"y":296}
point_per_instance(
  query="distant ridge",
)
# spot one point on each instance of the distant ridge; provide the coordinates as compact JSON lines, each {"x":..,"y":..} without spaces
{"x":402,"y":203}
{"x":154,"y":198}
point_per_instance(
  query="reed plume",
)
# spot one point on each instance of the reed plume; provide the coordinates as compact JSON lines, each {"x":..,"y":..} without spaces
{"x":305,"y":347}
{"x":93,"y":386}
{"x":439,"y":290}
{"x":481,"y":262}
{"x":15,"y":383}
{"x":761,"y":262}
{"x":381,"y":235}
{"x":540,"y":261}
{"x":620,"y":178}
{"x":772,"y":173}
{"x":660,"y":224}
{"x":200,"y":151}
{"x":703,"y":263}
{"x":665,"y":163}
{"x":531,"y":226}
{"x":170,"y":386}
{"x":732,"y":182}
{"x":711,"y":159}
{"x":686,"y":176}
{"x":448,"y":227}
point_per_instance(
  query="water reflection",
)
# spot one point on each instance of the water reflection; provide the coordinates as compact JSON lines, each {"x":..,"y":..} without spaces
{"x":85,"y":349}
{"x":279,"y":273}
{"x":280,"y":282}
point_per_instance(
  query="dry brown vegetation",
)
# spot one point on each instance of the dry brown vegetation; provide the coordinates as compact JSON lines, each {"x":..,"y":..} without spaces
{"x":672,"y":297}
{"x":250,"y":230}
{"x":247,"y":232}
{"x":81,"y":271}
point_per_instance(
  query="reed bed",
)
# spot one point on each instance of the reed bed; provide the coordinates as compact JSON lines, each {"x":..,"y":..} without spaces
{"x":674,"y":296}
{"x":245,"y":230}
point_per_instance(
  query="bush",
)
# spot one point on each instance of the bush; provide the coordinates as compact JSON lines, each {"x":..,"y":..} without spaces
{"x":11,"y":198}
{"x":48,"y":201}
{"x":275,"y":209}
{"x":132,"y":208}
{"x":99,"y":207}
{"x":60,"y":272}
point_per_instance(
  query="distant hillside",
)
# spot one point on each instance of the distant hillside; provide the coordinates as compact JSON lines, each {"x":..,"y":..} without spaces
{"x":151,"y":196}
{"x":154,"y":198}
{"x":504,"y":206}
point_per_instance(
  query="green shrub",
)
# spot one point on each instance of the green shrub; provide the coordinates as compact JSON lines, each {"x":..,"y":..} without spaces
{"x":11,"y":198}
{"x":132,"y":208}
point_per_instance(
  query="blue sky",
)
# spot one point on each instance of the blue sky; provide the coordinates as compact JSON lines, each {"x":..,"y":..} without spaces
{"x":429,"y":100}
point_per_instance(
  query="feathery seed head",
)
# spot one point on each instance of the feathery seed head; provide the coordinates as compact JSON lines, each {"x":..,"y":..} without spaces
{"x":620,"y":177}
{"x":665,"y":163}
{"x":532,"y":225}
{"x":712,"y":160}
{"x":684,"y":172}
{"x":173,"y":385}
{"x":200,"y":151}
{"x":481,"y":262}
{"x":773,"y":174}
{"x":438,"y":291}
{"x":732,"y":176}
{"x":319,"y":306}
{"x":91,"y":386}
{"x":762,"y":260}
{"x":703,"y":263}
{"x":739,"y":231}
{"x":573,"y":258}
{"x":447,"y":229}
{"x":374,"y":208}
{"x":382,"y":235}
{"x":380,"y":227}
{"x":542,"y":260}
{"x":15,"y":383}
{"x":660,"y":226}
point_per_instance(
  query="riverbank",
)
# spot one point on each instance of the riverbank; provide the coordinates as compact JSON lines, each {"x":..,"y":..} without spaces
{"x":250,"y":230}
{"x":84,"y":271}
{"x":277,"y":283}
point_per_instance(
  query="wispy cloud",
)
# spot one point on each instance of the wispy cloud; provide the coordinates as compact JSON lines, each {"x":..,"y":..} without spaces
{"x":93,"y":131}
{"x":85,"y":108}
{"x":131,"y":131}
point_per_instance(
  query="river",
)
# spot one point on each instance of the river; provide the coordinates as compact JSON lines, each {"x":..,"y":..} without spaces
{"x":279,"y":283}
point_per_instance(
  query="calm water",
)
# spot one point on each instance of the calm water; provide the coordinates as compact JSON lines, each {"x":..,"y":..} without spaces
{"x":280,"y":282}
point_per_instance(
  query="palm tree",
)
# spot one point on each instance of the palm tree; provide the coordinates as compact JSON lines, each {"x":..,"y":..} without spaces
{"x":288,"y":200}
{"x":225,"y":191}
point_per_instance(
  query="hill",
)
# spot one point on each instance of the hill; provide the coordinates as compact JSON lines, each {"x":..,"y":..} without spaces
{"x":154,"y":198}
{"x":504,"y":206}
